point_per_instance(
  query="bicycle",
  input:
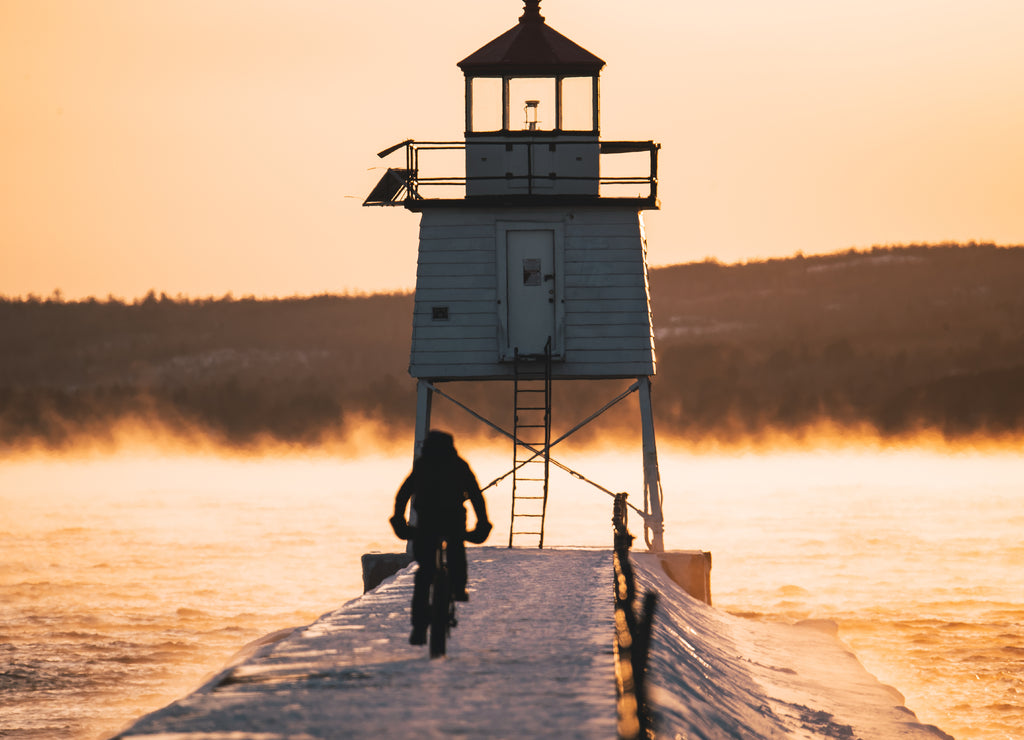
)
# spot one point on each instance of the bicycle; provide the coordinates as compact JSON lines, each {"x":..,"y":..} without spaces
{"x":440,"y":606}
{"x":442,"y":603}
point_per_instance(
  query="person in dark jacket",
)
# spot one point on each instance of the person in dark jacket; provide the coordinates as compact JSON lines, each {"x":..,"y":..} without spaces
{"x":439,"y":485}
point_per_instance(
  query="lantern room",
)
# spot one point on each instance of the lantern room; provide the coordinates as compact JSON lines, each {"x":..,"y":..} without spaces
{"x":532,"y":113}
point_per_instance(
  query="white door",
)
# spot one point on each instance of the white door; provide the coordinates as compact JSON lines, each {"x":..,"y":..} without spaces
{"x":531,"y":290}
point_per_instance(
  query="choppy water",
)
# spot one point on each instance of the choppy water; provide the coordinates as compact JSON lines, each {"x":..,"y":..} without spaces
{"x":124,"y":581}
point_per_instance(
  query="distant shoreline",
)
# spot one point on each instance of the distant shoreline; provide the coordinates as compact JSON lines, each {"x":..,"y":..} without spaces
{"x":895,"y":341}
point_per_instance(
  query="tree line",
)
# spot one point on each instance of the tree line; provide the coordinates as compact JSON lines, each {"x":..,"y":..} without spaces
{"x":899,"y":340}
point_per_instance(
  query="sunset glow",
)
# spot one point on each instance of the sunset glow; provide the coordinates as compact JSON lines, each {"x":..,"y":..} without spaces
{"x":204,"y":148}
{"x":215,"y":365}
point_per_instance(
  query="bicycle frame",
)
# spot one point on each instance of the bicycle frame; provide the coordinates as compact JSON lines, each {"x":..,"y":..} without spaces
{"x":442,"y":605}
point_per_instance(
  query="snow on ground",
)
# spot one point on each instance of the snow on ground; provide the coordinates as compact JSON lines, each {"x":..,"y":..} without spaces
{"x":532,"y":658}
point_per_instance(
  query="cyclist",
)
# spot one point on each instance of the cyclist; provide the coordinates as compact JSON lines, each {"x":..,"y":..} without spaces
{"x":439,"y":485}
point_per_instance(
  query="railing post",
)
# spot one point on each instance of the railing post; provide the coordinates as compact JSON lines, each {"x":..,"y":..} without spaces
{"x":654,"y":170}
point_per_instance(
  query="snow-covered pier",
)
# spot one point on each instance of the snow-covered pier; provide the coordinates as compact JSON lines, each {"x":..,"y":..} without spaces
{"x":532,"y":658}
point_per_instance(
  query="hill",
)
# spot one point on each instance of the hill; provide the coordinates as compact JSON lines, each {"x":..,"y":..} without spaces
{"x":896,"y":339}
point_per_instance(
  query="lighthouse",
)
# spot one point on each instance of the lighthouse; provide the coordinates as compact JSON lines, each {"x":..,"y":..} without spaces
{"x":532,"y":263}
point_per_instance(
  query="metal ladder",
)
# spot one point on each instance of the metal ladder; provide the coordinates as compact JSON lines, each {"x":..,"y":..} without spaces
{"x":531,"y":445}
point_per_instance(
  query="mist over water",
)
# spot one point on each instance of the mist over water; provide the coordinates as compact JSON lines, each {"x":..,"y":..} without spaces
{"x":126,"y":579}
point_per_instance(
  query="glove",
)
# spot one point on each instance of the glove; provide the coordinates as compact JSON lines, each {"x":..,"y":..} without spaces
{"x":479,"y":534}
{"x":402,"y":529}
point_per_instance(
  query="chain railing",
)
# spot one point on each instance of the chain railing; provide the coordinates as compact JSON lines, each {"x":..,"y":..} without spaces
{"x":632,"y":636}
{"x":446,"y":178}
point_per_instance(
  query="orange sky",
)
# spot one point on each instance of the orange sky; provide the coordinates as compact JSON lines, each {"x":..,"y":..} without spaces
{"x":207,"y":146}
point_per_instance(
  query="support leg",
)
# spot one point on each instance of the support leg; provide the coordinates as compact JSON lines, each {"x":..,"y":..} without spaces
{"x":654,"y":519}
{"x":424,"y":398}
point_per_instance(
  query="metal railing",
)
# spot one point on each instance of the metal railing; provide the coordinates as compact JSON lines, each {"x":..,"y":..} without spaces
{"x":411,"y":183}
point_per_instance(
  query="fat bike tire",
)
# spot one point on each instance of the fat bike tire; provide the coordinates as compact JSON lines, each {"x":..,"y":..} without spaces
{"x":439,"y":614}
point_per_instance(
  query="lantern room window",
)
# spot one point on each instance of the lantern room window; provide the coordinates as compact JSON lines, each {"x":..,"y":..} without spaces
{"x":579,"y":104}
{"x":486,"y":108}
{"x":553,"y":104}
{"x":532,"y":102}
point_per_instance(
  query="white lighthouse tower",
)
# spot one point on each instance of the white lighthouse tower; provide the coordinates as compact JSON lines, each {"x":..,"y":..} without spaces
{"x":532,"y":264}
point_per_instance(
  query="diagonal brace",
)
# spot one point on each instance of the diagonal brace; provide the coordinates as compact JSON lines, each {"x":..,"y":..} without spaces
{"x":536,"y":453}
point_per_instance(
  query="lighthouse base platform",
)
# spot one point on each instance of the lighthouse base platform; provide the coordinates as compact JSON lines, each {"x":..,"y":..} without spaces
{"x":532,"y":657}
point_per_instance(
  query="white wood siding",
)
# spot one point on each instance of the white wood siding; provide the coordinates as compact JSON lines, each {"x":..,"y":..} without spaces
{"x":606,"y":320}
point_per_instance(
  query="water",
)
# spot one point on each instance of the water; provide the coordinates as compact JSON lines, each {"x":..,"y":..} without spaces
{"x":126,"y":580}
{"x":916,"y":556}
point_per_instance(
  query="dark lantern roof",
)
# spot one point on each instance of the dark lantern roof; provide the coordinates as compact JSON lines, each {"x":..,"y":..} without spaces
{"x":531,"y":47}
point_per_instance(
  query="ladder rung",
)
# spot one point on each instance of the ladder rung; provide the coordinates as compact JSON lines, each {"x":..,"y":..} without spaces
{"x":532,"y":377}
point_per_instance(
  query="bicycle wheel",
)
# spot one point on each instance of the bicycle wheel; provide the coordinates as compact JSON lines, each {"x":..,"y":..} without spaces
{"x":440,"y":599}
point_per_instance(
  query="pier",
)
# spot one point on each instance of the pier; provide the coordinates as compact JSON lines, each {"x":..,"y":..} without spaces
{"x":532,"y":657}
